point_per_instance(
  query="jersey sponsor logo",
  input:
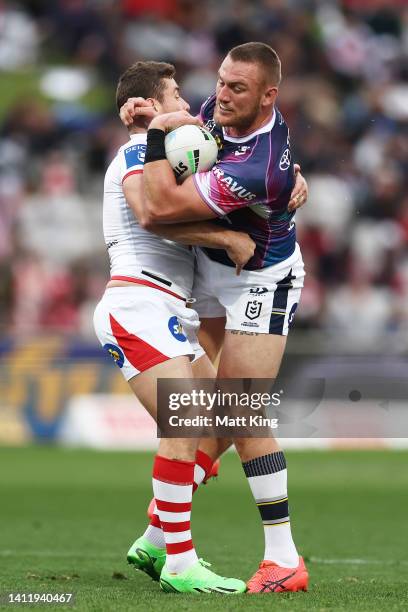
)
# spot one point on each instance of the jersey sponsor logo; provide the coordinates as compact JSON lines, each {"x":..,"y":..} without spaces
{"x":284,"y":162}
{"x":116,"y":353}
{"x":232,"y":185}
{"x":176,"y":329}
{"x":253,"y":309}
{"x":135,"y":155}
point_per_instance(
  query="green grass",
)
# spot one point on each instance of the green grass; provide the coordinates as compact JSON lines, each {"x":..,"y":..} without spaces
{"x":23,"y":86}
{"x":67,"y":519}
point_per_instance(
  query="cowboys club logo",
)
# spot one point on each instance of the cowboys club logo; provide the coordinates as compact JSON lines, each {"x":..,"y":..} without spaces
{"x":285,"y":160}
{"x":253,"y":309}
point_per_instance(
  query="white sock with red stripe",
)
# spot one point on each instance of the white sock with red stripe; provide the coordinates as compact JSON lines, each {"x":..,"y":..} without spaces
{"x":173,"y":491}
{"x":202,"y":468}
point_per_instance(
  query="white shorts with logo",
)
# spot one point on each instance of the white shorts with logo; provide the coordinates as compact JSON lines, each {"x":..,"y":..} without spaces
{"x":141,"y":326}
{"x":262,"y":301}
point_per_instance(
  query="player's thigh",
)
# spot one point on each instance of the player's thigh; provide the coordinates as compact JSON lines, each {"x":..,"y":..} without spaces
{"x":144,"y":385}
{"x":211,"y":335}
{"x":203,"y":368}
{"x":251,"y":355}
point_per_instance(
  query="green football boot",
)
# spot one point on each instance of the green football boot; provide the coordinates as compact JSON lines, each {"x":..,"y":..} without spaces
{"x":199,"y":579}
{"x":147,"y":558}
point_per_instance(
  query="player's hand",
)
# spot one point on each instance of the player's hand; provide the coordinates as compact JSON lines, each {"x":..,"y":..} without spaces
{"x":136,"y":107}
{"x":240,"y":249}
{"x":170,"y":121}
{"x":299,"y":194}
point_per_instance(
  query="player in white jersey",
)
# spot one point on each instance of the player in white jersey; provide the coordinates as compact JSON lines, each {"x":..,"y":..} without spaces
{"x":250,"y":183}
{"x":144,"y":323}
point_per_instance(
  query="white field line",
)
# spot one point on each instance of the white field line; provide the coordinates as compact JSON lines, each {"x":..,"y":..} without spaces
{"x":357,"y":561}
{"x":110,"y":555}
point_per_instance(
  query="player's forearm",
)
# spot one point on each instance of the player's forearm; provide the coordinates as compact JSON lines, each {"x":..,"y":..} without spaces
{"x":166,"y":201}
{"x":162,"y":204}
{"x":200,"y":233}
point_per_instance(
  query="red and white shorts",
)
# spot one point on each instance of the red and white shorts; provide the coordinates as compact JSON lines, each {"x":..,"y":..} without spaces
{"x":142,"y":326}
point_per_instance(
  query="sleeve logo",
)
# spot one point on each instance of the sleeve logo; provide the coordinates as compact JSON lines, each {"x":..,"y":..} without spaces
{"x":135,"y":155}
{"x":285,"y":160}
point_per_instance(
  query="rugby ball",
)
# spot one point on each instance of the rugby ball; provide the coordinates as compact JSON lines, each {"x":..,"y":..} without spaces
{"x":190,"y":149}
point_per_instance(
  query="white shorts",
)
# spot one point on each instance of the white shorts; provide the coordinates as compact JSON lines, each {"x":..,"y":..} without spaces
{"x":140,"y":327}
{"x":262,"y":301}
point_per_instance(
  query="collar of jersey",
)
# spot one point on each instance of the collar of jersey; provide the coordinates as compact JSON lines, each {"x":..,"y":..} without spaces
{"x":262,"y":130}
{"x":141,"y":137}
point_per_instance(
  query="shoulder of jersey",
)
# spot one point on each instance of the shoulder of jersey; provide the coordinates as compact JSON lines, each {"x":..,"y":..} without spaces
{"x":132,"y":142}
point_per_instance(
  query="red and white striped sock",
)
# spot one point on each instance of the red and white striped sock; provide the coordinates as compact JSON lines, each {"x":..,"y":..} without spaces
{"x":202,"y":468}
{"x":173,"y":490}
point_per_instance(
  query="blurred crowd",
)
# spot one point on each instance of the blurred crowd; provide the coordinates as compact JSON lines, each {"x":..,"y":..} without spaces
{"x":344,"y":95}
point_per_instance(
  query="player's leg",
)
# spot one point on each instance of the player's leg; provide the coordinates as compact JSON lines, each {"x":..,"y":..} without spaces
{"x":206,"y":465}
{"x":211,"y":448}
{"x":211,"y":335}
{"x":264,"y":464}
{"x":177,"y":563}
{"x":173,"y":476}
{"x":145,"y":353}
{"x":260,"y":308}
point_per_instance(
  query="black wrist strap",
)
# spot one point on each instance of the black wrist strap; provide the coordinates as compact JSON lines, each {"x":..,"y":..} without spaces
{"x":155,"y":146}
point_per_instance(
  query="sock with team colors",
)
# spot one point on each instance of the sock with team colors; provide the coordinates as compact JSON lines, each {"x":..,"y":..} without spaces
{"x":154,"y":533}
{"x":173,"y":490}
{"x":267,"y":477}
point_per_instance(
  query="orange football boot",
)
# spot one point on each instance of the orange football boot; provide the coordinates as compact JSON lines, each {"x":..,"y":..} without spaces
{"x":272,"y":578}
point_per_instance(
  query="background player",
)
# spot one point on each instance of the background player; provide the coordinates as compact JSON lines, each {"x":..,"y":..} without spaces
{"x":251,"y":183}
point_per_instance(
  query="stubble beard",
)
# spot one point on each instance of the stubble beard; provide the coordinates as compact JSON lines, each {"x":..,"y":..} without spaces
{"x":240,"y":122}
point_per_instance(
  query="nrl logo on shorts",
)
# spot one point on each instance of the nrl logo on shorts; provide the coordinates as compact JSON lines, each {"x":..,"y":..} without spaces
{"x":253,"y":309}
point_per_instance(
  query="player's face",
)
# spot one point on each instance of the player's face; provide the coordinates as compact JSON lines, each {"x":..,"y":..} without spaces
{"x":171,"y":99}
{"x":240,"y":94}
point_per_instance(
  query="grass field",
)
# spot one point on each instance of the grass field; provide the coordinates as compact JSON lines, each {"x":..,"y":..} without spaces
{"x":68,"y":517}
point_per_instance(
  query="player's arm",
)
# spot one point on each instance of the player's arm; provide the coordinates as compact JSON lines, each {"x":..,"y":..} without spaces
{"x":192,"y":207}
{"x":238,"y":245}
{"x":167,"y":201}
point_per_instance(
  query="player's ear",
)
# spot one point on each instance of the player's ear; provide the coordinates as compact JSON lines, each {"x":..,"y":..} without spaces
{"x":155,"y":103}
{"x":270,"y":95}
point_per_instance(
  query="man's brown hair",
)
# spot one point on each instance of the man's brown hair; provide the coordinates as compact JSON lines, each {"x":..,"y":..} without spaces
{"x":262,"y":54}
{"x":145,"y":80}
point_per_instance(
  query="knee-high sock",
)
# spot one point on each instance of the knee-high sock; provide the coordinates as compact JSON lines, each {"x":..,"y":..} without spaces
{"x":267,"y":477}
{"x":173,"y":491}
{"x":202,"y":468}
